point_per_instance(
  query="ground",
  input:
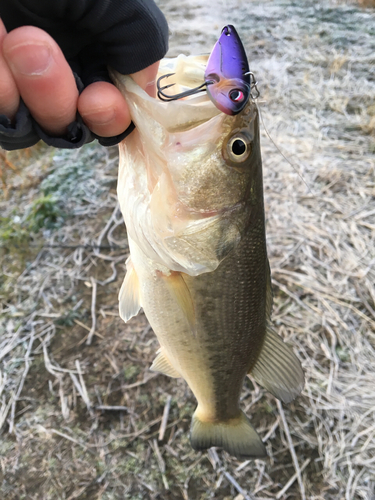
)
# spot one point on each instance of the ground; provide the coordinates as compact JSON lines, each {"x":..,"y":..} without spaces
{"x":84,"y":420}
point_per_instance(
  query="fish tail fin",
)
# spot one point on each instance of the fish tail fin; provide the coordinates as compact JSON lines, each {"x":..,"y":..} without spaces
{"x":236,"y":436}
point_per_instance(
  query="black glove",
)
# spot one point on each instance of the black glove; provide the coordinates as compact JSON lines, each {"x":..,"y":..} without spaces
{"x":128,"y":35}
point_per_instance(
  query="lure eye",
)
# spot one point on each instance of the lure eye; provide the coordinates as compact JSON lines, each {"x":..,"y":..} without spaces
{"x":236,"y":95}
{"x":238,"y":149}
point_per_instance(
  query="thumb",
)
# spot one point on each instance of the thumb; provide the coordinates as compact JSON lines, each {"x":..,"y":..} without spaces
{"x":146,"y":78}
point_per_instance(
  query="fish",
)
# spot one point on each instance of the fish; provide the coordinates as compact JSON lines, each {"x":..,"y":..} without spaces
{"x":190,"y":190}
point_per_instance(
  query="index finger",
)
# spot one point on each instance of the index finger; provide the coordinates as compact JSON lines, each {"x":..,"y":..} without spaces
{"x":43,"y":77}
{"x":9,"y":95}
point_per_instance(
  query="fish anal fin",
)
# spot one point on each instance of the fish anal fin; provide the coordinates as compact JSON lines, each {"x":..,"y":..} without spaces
{"x":162,"y":364}
{"x":129,"y":296}
{"x":179,"y":290}
{"x":236,"y":436}
{"x":277,"y":369}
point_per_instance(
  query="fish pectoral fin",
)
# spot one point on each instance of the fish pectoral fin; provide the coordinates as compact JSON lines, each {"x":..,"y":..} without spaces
{"x":163,"y":365}
{"x":278,"y":370}
{"x":236,"y":436}
{"x":180,"y":291}
{"x":129,"y":296}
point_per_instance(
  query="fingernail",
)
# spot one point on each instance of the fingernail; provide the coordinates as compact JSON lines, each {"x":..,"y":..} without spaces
{"x":30,"y":59}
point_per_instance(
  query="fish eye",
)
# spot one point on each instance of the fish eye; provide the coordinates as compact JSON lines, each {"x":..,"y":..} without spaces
{"x":238,"y":149}
{"x":236,"y":95}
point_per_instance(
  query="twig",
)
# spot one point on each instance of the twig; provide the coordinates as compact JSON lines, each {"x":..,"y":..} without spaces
{"x":79,"y":323}
{"x":63,"y":400}
{"x":3,"y":380}
{"x":292,"y":479}
{"x":214,"y":458}
{"x":164,"y":421}
{"x":141,"y":382}
{"x":52,"y":369}
{"x":107,"y":226}
{"x":112,"y":362}
{"x":113,"y":408}
{"x":93,"y":314}
{"x":9,"y":163}
{"x":161,"y":463}
{"x":78,"y":493}
{"x":61,"y":434}
{"x":237,"y":486}
{"x":23,"y":378}
{"x":81,"y":387}
{"x":292,"y":451}
{"x":131,"y":436}
{"x":274,"y":426}
{"x":4,"y":410}
{"x":112,"y":277}
{"x":12,"y":344}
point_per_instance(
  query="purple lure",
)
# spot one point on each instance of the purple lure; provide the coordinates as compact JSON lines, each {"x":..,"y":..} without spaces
{"x":227,"y":73}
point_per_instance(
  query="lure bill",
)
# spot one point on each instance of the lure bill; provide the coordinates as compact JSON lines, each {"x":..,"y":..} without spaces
{"x":227,"y":77}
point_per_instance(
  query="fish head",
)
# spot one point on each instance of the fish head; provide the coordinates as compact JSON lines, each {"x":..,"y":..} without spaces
{"x":213,"y":164}
{"x":189,"y":180}
{"x":227,"y":73}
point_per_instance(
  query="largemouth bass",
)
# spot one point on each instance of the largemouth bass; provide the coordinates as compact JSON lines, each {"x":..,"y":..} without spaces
{"x":191,"y":193}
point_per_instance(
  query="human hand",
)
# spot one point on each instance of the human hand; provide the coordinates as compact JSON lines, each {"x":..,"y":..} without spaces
{"x":54,"y":68}
{"x":33,"y":66}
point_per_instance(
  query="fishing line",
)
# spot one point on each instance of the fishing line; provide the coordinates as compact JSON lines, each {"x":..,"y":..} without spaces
{"x":85,"y":247}
{"x":294,"y":167}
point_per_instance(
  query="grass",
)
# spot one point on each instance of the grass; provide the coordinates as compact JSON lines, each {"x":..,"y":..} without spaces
{"x":82,"y":421}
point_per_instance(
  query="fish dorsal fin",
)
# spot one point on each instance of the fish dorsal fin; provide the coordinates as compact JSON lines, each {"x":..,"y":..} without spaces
{"x":163,"y":365}
{"x":278,"y":370}
{"x":180,"y":291}
{"x":129,"y":296}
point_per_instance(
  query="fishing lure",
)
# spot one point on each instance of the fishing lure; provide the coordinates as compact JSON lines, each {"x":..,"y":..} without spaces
{"x":227,"y":79}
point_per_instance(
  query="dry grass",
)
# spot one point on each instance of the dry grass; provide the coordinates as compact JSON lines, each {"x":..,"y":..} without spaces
{"x":367,"y":3}
{"x":83,"y":420}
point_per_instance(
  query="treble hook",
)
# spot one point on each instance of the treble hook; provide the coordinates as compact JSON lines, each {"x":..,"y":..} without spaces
{"x":165,"y":97}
